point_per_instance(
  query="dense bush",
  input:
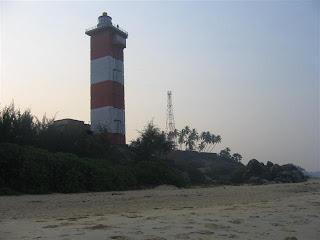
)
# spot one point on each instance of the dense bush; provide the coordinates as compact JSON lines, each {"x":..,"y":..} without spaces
{"x":25,"y":129}
{"x":49,"y":158}
{"x":156,"y":173}
{"x":151,"y":143}
{"x":32,"y":170}
{"x":238,"y":176}
{"x":21,"y":127}
{"x":196,"y":176}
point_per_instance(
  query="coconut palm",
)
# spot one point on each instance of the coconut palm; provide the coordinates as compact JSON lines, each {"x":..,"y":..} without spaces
{"x":187,"y":130}
{"x":175,"y":136}
{"x":201,"y":146}
{"x":207,"y":140}
{"x":181,"y":136}
{"x":202,"y":143}
{"x":194,"y":134}
{"x":217,"y":139}
{"x":192,"y":137}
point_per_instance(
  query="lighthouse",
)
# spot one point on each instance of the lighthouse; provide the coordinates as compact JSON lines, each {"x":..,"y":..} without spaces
{"x":107,"y":42}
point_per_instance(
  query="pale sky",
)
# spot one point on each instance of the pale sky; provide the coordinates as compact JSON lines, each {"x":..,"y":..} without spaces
{"x":247,"y":70}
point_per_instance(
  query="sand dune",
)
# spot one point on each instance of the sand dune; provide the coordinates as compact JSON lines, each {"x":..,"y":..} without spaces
{"x":275,"y":211}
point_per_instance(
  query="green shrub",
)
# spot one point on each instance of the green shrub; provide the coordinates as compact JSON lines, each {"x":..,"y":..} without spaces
{"x":196,"y":176}
{"x":238,"y":176}
{"x":32,"y":170}
{"x":156,"y":173}
{"x":151,"y":143}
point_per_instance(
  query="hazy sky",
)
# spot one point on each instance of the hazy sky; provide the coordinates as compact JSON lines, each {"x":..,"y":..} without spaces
{"x":247,"y":70}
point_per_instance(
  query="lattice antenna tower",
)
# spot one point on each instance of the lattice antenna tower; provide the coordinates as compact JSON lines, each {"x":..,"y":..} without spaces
{"x":170,"y":125}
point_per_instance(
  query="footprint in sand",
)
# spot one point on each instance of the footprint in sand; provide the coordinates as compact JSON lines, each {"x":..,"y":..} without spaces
{"x":288,"y":230}
{"x":222,"y":235}
{"x":162,"y":228}
{"x":188,"y":227}
{"x":151,"y":237}
{"x":215,"y":226}
{"x":181,"y":236}
{"x":232,"y":236}
{"x":98,"y":227}
{"x":301,"y":221}
{"x":64,"y":235}
{"x":236,"y":221}
{"x":209,"y":220}
{"x":119,"y":237}
{"x":65,"y":224}
{"x":316,"y":204}
{"x":101,"y":219}
{"x":276,"y":224}
{"x":203,"y":232}
{"x":51,"y":226}
{"x":131,"y":216}
{"x":80,"y":233}
{"x":151,"y":218}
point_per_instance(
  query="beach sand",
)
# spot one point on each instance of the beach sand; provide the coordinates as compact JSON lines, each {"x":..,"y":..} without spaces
{"x":275,"y":211}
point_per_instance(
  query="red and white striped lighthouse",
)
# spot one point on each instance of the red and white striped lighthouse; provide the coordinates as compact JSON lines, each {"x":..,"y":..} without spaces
{"x":107,"y":82}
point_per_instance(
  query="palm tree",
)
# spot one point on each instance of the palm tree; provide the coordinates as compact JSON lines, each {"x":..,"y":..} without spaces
{"x":187,"y":130}
{"x":181,"y":136}
{"x":207,"y":140}
{"x":212,"y":142}
{"x":202,"y":143}
{"x":190,"y":143}
{"x":191,"y":138}
{"x":194,"y":134}
{"x":172,"y":136}
{"x":201,"y":146}
{"x":217,"y":139}
{"x":175,"y":135}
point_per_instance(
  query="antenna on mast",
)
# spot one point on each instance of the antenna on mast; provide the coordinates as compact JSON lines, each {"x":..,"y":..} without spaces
{"x":170,"y":125}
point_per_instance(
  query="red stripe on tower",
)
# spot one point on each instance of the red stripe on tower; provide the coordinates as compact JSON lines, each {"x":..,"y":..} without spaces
{"x":107,"y":83}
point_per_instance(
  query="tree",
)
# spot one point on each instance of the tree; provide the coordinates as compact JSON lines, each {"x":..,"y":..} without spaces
{"x":173,"y":135}
{"x":187,"y":130}
{"x":225,"y":152}
{"x":194,"y":141}
{"x":207,"y":140}
{"x":191,"y":139}
{"x":201,"y":146}
{"x":21,"y":127}
{"x":216,"y":140}
{"x":181,"y":137}
{"x":236,"y":157}
{"x":151,"y":143}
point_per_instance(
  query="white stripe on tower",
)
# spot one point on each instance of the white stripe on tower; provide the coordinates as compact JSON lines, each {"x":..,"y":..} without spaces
{"x":107,"y":68}
{"x":107,"y":115}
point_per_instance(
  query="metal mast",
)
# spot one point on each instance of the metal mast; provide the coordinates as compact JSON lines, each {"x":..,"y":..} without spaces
{"x":170,"y":125}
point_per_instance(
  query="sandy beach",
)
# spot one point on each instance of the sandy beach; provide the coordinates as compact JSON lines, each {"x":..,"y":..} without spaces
{"x":274,"y":211}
